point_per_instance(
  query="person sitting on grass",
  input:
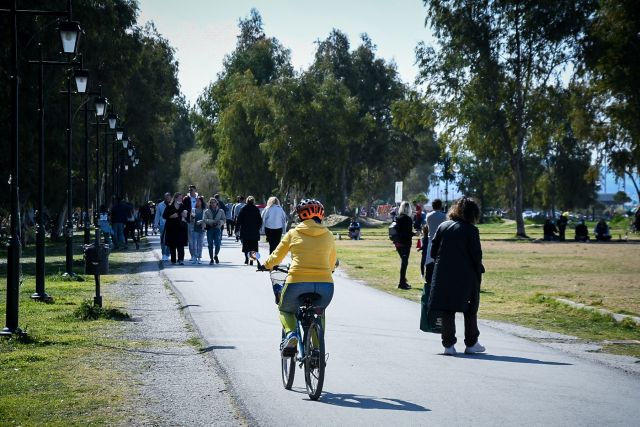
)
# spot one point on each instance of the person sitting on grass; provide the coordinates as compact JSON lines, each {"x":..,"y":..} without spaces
{"x":582,"y":232}
{"x":354,"y":229}
{"x":602,"y":231}
{"x":550,"y":230}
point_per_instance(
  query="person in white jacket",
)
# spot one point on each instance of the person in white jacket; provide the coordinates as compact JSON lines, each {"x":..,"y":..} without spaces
{"x":274,"y":221}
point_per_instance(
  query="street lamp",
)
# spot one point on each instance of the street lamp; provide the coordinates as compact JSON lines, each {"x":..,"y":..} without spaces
{"x":101,"y":106}
{"x":125,"y":143}
{"x":113,"y":119}
{"x":119,"y":134}
{"x":81,"y":77}
{"x":69,"y":36}
{"x":14,"y":246}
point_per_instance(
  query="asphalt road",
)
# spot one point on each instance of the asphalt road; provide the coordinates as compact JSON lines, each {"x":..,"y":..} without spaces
{"x":382,"y":370}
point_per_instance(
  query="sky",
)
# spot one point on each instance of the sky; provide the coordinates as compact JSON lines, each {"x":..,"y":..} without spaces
{"x":204,"y":31}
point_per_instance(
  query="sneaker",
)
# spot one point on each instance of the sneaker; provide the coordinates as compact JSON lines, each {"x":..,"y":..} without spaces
{"x":476,"y":348}
{"x":251,"y":262}
{"x":165,"y":258}
{"x":289,"y":344}
{"x":450,"y":351}
{"x":215,"y":258}
{"x":198,"y":261}
{"x":181,"y":263}
{"x":404,"y":286}
{"x":211,"y":262}
{"x":193,"y":261}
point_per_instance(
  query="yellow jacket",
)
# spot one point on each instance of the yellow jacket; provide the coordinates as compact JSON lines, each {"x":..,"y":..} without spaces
{"x":313,"y":253}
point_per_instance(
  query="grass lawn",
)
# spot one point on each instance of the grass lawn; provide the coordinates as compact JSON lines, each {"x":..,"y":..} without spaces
{"x":62,"y":373}
{"x":520,"y":274}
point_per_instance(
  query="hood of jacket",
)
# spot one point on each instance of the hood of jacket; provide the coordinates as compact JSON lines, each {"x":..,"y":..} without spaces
{"x":311,"y":228}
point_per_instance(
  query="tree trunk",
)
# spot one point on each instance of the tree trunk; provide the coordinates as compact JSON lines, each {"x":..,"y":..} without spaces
{"x":635,"y":184}
{"x":516,"y":165}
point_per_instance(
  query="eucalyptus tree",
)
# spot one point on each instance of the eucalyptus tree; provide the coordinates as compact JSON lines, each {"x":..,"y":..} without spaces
{"x":492,"y":58}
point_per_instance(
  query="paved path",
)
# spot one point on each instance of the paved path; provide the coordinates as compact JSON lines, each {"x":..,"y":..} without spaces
{"x":382,"y":370}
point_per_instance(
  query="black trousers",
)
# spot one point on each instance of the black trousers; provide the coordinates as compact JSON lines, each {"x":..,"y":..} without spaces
{"x":471,"y":332}
{"x":173,"y":250}
{"x":130,"y":231}
{"x":404,"y":252}
{"x":274,"y":235}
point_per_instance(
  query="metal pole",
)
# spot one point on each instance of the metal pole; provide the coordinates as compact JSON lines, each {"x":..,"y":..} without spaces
{"x":113,"y":171}
{"x":69,"y":228}
{"x":97,"y":216}
{"x":106,"y":163}
{"x":87,"y":229}
{"x":40,"y":293}
{"x":13,"y":255}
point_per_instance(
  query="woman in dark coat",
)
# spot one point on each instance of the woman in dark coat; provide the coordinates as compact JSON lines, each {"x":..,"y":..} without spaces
{"x":404,"y":228}
{"x":457,"y":274}
{"x":175,"y":228}
{"x":249,"y":221}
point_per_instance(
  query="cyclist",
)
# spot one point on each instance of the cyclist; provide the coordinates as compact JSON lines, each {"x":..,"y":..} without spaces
{"x":313,"y":259}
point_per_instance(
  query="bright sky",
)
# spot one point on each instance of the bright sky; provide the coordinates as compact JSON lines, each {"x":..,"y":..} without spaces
{"x":204,"y":31}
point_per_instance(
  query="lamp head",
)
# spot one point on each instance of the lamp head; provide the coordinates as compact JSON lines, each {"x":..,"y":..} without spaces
{"x":101,"y":106}
{"x":69,"y":36}
{"x":82,"y":79}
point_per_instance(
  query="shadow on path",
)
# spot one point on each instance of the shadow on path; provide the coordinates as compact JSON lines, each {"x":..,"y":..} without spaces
{"x":348,"y":400}
{"x":510,"y":359}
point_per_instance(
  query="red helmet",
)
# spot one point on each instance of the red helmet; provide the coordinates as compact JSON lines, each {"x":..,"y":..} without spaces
{"x":310,"y":208}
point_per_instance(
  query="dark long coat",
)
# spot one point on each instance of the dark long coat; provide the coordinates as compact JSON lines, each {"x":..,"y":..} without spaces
{"x":175,"y":229}
{"x":250,"y":221}
{"x":458,"y":267}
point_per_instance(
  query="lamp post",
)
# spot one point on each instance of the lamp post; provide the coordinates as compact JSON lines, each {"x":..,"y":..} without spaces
{"x":14,"y":248}
{"x":81,"y":78}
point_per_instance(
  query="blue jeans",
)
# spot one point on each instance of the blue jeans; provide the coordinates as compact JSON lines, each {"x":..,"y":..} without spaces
{"x":163,"y":248}
{"x":118,"y":230}
{"x":291,"y":299}
{"x":197,"y":238}
{"x":214,"y":238}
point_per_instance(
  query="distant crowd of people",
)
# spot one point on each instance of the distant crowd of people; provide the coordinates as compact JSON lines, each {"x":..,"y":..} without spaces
{"x":185,"y":221}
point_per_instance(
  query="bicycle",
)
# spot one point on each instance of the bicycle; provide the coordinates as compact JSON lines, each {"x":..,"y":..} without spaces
{"x":310,"y":352}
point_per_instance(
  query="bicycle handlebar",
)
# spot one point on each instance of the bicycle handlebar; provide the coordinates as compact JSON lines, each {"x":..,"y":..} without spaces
{"x":275,"y":268}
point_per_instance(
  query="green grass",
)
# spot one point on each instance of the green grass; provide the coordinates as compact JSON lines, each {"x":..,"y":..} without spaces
{"x":518,"y":274}
{"x":64,"y":372}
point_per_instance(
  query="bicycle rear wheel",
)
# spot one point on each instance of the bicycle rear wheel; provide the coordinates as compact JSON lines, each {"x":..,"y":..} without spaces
{"x":314,"y":360}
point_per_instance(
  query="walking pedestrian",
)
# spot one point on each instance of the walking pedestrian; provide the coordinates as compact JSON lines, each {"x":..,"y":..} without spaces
{"x":145,"y":216}
{"x":189,"y":202}
{"x":131,"y":227}
{"x":214,"y":219}
{"x":274,"y":220}
{"x":457,"y":275}
{"x":404,"y":229}
{"x":434,"y":219}
{"x":103,"y":223}
{"x":159,"y":223}
{"x":175,"y":228}
{"x":119,"y":215}
{"x":197,"y":226}
{"x":230,"y":223}
{"x":249,"y":223}
{"x":236,"y":211}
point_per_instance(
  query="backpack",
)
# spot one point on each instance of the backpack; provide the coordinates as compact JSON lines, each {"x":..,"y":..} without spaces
{"x":394,"y":235}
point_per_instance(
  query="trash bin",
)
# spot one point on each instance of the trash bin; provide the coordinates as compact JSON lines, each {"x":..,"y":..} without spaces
{"x":96,"y":259}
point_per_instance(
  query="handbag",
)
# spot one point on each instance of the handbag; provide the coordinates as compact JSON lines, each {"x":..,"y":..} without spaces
{"x":430,"y":320}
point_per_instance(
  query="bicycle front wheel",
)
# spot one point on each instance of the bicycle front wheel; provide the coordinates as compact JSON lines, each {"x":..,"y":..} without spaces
{"x":314,"y":360}
{"x":288,"y":371}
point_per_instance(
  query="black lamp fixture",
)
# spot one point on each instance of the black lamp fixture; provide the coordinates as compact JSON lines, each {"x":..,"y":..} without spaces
{"x":112,"y":118}
{"x":69,"y":36}
{"x":81,"y":77}
{"x":101,"y":106}
{"x":120,"y":135}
